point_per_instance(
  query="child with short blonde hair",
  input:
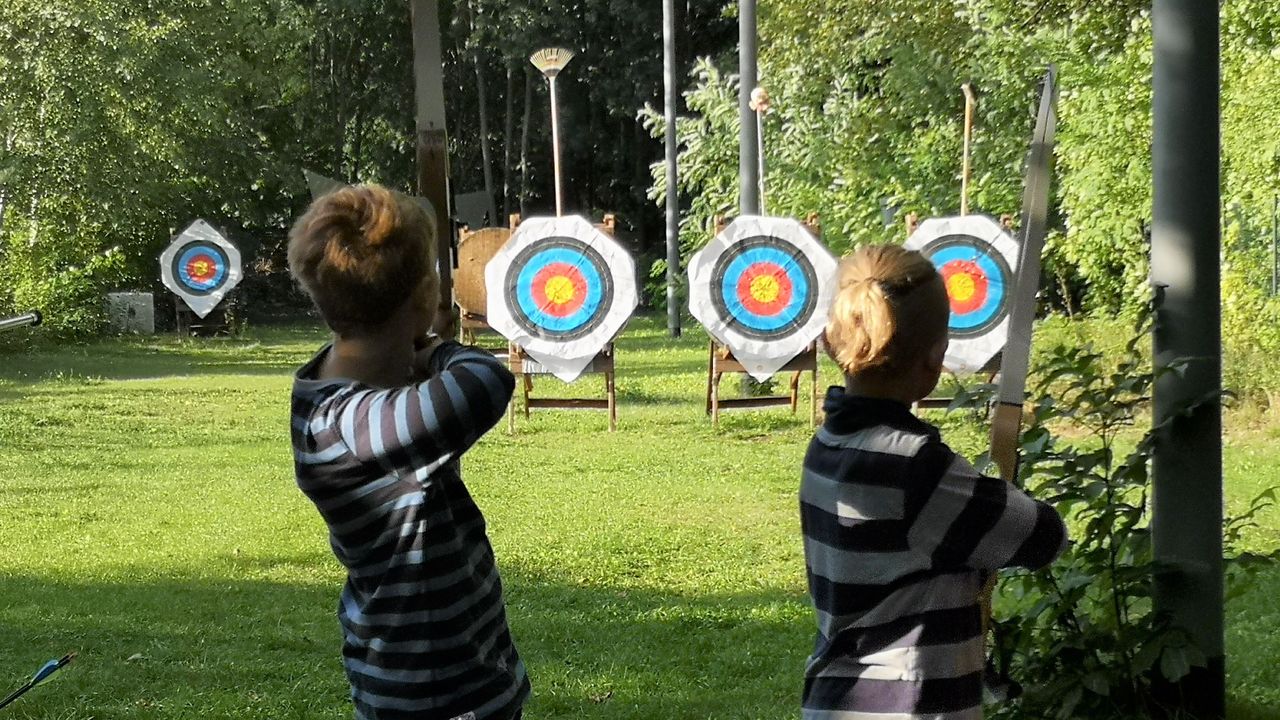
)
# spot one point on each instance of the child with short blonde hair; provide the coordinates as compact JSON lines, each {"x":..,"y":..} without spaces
{"x":900,"y":532}
{"x":380,"y":416}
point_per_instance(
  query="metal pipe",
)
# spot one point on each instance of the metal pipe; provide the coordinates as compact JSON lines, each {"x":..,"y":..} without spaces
{"x":671,"y":98}
{"x":560,"y":200}
{"x":1185,"y":244}
{"x":748,"y":162}
{"x":31,"y":319}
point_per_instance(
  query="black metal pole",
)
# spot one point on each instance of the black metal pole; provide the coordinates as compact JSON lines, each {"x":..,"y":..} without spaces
{"x":748,"y":161}
{"x":1185,"y":242}
{"x":671,"y":97}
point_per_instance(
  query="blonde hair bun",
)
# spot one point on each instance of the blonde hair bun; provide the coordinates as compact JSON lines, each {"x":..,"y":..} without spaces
{"x":882,"y":314}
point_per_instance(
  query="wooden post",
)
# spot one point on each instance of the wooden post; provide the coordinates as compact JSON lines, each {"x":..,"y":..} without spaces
{"x":966,"y":169}
{"x":432,"y":135}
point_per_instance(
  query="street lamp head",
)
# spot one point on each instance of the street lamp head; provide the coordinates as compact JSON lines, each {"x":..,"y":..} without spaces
{"x":550,"y":61}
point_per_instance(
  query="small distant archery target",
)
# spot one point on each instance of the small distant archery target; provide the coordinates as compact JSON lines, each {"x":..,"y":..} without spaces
{"x":561,"y":289}
{"x":201,"y":267}
{"x":763,"y":288}
{"x":977,"y":260}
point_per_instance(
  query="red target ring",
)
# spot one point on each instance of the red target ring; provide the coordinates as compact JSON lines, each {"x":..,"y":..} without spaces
{"x":765,"y":289}
{"x":559,"y":289}
{"x":202,"y":267}
{"x":967,"y":285}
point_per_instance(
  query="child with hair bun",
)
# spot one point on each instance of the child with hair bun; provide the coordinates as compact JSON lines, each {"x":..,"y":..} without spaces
{"x":380,"y":416}
{"x":900,"y":533}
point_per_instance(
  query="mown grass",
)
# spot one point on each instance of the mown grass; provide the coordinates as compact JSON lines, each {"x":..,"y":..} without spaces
{"x":150,"y":522}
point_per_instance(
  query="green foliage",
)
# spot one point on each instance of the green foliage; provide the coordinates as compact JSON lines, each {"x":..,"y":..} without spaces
{"x":1082,"y":636}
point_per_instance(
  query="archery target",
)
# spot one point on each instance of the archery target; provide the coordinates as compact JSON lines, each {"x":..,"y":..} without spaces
{"x":559,"y":289}
{"x":201,"y":267}
{"x":766,"y":288}
{"x":977,"y":260}
{"x":763,"y":288}
{"x":562,"y":290}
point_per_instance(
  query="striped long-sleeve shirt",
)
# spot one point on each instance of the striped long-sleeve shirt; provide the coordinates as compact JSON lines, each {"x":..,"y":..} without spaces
{"x":424,"y":627}
{"x":899,"y":536}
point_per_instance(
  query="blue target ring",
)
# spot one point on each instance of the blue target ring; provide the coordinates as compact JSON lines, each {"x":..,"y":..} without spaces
{"x":985,"y":274}
{"x":580,"y":274}
{"x":201,"y":267}
{"x":785,"y":300}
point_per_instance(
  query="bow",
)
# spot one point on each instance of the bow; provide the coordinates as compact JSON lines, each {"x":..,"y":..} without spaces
{"x":41,"y":675}
{"x":1006,"y":421}
{"x":1006,"y":424}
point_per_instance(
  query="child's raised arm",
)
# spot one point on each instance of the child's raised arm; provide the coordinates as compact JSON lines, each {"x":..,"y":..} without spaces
{"x":425,"y":425}
{"x":970,"y":520}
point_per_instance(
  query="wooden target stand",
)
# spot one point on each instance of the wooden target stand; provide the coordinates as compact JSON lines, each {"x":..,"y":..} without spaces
{"x":720,"y":361}
{"x":475,"y":250}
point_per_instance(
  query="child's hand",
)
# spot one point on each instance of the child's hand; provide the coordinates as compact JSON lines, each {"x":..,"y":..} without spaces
{"x":442,"y":324}
{"x":422,"y":356}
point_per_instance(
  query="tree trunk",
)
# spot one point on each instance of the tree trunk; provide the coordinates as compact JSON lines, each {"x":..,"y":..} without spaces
{"x":524,"y":143}
{"x":509,"y":128}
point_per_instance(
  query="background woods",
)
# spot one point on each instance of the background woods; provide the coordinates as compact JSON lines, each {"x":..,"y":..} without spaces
{"x":122,"y":121}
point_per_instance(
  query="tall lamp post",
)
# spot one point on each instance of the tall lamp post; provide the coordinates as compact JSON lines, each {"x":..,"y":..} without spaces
{"x":550,"y":61}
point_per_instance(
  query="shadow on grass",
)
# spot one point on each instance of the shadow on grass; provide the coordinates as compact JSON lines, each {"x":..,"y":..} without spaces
{"x":238,"y":648}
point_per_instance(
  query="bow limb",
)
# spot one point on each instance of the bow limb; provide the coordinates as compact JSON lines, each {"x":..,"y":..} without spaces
{"x":1006,"y":425}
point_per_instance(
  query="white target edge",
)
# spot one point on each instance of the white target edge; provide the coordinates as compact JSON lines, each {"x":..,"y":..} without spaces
{"x":762,"y":358}
{"x":564,"y":359}
{"x":197,"y":231}
{"x":970,"y":355}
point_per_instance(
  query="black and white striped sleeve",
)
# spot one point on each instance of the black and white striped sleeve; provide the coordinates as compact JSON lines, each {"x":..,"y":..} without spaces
{"x":431,"y":422}
{"x":973,"y":521}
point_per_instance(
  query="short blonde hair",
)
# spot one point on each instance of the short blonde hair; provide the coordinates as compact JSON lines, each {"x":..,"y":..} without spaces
{"x":891,"y":306}
{"x":361,"y":252}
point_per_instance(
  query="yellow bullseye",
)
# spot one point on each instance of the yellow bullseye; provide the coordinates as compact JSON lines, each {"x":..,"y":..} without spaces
{"x":201,"y":268}
{"x":961,"y":287}
{"x":765,"y":288}
{"x":559,"y":289}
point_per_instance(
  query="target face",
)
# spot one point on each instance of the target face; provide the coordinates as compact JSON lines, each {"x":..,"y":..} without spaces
{"x":766,"y":287}
{"x":976,"y":259}
{"x":562,"y":290}
{"x":201,"y":267}
{"x":762,"y":288}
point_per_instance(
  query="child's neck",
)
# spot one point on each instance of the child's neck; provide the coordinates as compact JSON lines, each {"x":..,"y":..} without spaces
{"x":879,"y":386}
{"x":379,"y":360}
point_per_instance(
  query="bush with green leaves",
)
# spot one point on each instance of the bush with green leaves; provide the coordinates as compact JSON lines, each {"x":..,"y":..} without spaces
{"x":1082,"y":637}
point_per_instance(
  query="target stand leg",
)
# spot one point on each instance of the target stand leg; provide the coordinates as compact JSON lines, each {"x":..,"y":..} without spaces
{"x":795,"y":392}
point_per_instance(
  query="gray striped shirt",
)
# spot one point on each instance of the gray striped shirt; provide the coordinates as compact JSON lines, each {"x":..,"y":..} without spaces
{"x":424,"y":628}
{"x":899,"y":535}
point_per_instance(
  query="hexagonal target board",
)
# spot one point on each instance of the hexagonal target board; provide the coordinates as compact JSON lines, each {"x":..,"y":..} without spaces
{"x":763,"y":288}
{"x":978,"y":261}
{"x":562,"y":290}
{"x":201,"y":267}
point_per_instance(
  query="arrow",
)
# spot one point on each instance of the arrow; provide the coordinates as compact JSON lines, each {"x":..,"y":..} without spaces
{"x":41,"y":675}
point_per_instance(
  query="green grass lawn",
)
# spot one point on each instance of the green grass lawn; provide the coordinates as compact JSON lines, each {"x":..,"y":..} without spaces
{"x":149,"y":521}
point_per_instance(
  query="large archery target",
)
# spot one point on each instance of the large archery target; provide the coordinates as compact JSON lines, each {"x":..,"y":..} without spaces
{"x":562,"y":290}
{"x":559,"y":289}
{"x":201,"y":267}
{"x":763,"y":288}
{"x":977,"y":261}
